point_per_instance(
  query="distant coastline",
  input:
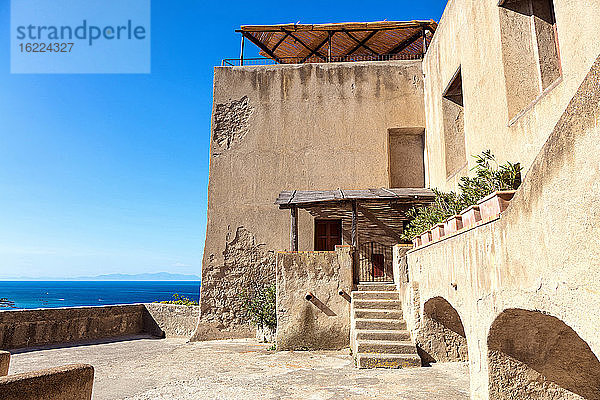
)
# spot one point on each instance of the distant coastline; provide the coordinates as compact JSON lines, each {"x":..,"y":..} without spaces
{"x":158,"y":276}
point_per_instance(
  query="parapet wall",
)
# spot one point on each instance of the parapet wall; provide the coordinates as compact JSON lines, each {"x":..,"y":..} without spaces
{"x":29,"y":328}
{"x":70,"y":382}
{"x":311,"y":313}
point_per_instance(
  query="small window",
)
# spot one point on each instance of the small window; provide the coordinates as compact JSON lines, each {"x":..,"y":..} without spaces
{"x":328,"y":234}
{"x":529,"y":50}
{"x":454,"y":125}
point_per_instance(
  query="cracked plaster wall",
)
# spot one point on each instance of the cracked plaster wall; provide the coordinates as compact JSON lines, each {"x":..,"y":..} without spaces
{"x":285,"y":127}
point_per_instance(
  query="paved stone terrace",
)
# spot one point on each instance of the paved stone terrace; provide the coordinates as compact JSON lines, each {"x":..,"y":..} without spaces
{"x":144,"y":369}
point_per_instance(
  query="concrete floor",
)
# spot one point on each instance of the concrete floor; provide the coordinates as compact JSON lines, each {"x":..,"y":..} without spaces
{"x":152,"y":369}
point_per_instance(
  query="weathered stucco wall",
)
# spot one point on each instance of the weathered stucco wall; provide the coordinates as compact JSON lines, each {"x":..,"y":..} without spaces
{"x":282,"y":127}
{"x":526,"y":286}
{"x":172,"y":320}
{"x":29,"y":328}
{"x":70,"y":382}
{"x":323,"y":322}
{"x":475,"y":35}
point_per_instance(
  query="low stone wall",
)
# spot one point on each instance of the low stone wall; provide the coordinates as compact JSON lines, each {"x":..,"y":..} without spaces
{"x":4,"y":362}
{"x":323,"y":322}
{"x":29,"y":328}
{"x":173,"y":320}
{"x":71,"y":382}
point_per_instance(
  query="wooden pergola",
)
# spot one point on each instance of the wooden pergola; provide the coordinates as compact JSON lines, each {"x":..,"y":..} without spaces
{"x":382,"y":211}
{"x":349,"y":41}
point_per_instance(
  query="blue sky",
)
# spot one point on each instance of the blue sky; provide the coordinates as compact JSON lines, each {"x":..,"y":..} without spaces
{"x":107,"y":173}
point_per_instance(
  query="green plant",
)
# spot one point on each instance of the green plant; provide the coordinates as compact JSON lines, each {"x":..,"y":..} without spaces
{"x":489,"y":177}
{"x":179,"y":300}
{"x":259,"y":305}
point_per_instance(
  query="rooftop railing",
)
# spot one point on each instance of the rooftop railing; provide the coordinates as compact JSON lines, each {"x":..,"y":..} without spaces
{"x":237,"y":62}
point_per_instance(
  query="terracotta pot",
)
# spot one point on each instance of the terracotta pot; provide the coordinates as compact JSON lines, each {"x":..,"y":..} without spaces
{"x":453,"y":224}
{"x":437,"y":232}
{"x":491,"y":206}
{"x":416,"y":241}
{"x":470,"y":216}
{"x":426,"y":237}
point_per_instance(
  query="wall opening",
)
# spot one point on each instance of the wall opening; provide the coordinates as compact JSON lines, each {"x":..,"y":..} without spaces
{"x":534,"y":355}
{"x":406,"y":157}
{"x":441,"y":336}
{"x":454,"y":125}
{"x":529,"y":50}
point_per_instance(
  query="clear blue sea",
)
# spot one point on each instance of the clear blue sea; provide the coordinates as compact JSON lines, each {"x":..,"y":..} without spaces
{"x":38,"y":294}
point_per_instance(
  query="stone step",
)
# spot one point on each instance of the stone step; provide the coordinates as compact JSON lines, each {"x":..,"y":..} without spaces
{"x":375,"y":295}
{"x":377,"y":287}
{"x":377,"y":314}
{"x":387,"y":360}
{"x":380,"y":324}
{"x":386,"y":347}
{"x":395,"y":335}
{"x":377,"y":304}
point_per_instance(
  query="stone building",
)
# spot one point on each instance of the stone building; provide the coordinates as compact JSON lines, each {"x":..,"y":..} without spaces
{"x":517,"y":294}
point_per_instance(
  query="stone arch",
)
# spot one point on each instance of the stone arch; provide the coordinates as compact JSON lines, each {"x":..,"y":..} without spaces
{"x":441,"y":335}
{"x":537,"y":356}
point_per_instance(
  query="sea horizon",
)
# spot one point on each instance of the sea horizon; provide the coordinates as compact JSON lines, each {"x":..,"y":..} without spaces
{"x":79,"y":293}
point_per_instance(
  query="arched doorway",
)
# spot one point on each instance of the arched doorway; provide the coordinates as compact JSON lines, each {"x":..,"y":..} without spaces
{"x":534,"y":355}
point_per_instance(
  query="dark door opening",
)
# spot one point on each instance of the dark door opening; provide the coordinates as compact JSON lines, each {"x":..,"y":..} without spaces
{"x":328,"y":234}
{"x":378,"y":265}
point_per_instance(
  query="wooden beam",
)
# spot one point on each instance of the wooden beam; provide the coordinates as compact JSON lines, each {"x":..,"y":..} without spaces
{"x":354,"y":225}
{"x":371,"y":217}
{"x":405,"y":43}
{"x":262,"y":47}
{"x":361,"y":43}
{"x":304,"y":44}
{"x":294,"y":229}
{"x":315,"y":50}
{"x":279,"y":42}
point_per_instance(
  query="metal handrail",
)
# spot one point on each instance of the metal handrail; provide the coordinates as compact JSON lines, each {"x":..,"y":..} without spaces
{"x":235,"y":62}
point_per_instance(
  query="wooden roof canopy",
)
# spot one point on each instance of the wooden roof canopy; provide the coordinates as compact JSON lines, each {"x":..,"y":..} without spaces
{"x":382,"y":212}
{"x":349,"y":41}
{"x":309,"y":198}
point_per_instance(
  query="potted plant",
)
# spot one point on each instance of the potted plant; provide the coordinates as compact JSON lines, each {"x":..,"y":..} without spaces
{"x":492,"y":205}
{"x":437,"y":232}
{"x":426,"y":237}
{"x":470,"y":216}
{"x":416,"y":241}
{"x":453,"y":224}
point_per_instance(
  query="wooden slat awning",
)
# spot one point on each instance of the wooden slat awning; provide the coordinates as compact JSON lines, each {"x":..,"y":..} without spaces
{"x":302,"y":198}
{"x":350,"y":41}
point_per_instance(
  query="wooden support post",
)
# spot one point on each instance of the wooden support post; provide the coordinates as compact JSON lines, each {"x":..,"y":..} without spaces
{"x":294,"y":229}
{"x":424,"y":42}
{"x":329,"y":47}
{"x":242,"y":51}
{"x":354,"y":225}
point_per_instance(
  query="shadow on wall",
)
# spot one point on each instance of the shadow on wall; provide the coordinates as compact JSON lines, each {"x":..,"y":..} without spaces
{"x":441,"y":337}
{"x":534,"y":355}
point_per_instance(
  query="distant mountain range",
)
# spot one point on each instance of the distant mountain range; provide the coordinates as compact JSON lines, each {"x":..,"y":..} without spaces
{"x":158,"y":276}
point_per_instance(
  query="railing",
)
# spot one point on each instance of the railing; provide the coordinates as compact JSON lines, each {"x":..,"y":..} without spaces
{"x":236,"y":62}
{"x":373,"y":263}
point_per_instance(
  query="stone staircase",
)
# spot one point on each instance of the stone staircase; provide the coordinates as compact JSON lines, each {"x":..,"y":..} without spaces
{"x":379,"y":338}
